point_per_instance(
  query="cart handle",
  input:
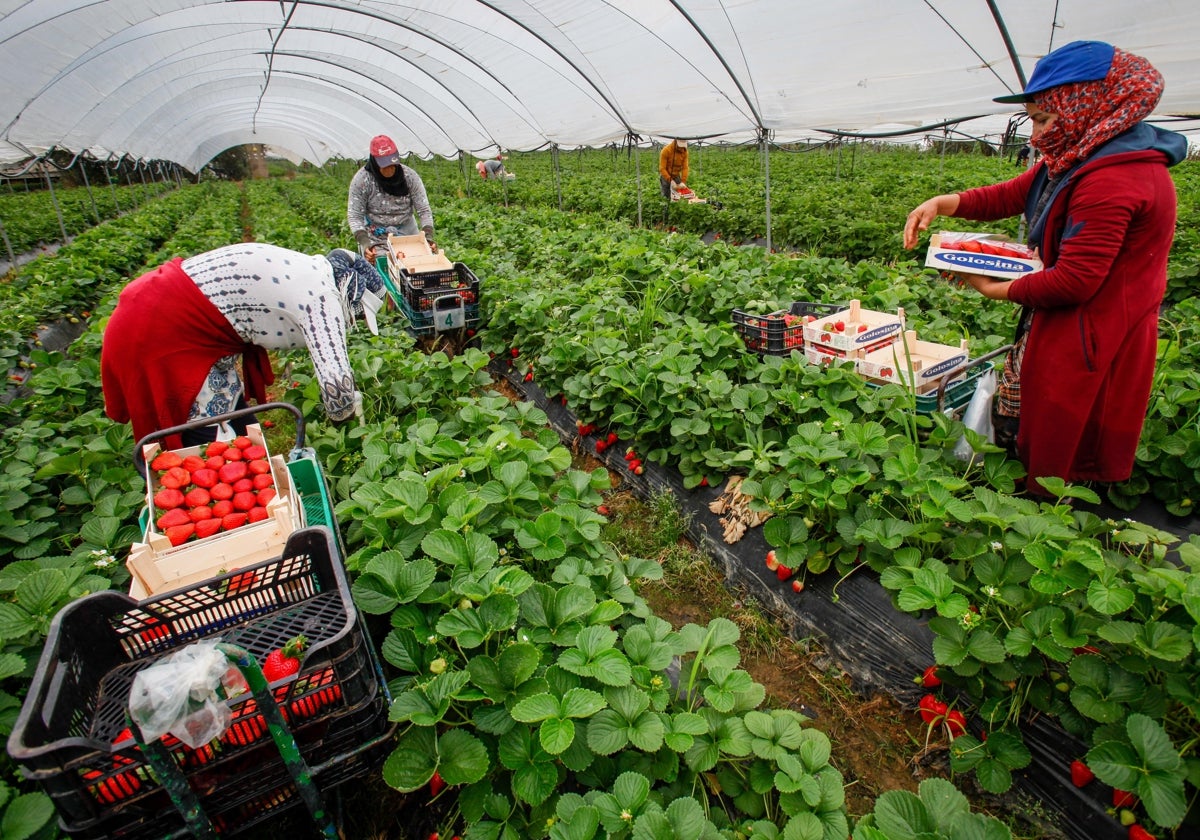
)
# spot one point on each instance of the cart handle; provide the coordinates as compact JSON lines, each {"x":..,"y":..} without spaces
{"x":945,"y":380}
{"x":139,"y":459}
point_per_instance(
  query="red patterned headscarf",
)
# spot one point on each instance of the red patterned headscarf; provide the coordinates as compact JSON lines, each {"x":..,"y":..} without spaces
{"x":1091,"y":113}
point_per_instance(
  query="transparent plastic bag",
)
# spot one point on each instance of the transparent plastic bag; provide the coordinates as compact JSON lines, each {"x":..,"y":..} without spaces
{"x":978,"y":416}
{"x":179,"y":694}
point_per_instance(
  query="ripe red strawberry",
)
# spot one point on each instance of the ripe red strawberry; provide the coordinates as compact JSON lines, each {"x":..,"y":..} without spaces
{"x":233,"y":520}
{"x":611,"y":439}
{"x":197,"y":497}
{"x":245,"y":730}
{"x":254,"y":453}
{"x":515,"y":352}
{"x":200,"y":513}
{"x":603,"y":510}
{"x":783,"y":572}
{"x":257,"y":514}
{"x":207,"y":527}
{"x":244,"y":501}
{"x":241,"y":581}
{"x":217,"y":447}
{"x":840,"y":326}
{"x":930,"y":679}
{"x":956,"y":723}
{"x":221,"y":491}
{"x":232,"y":472}
{"x":263,"y":481}
{"x":222,"y":508}
{"x":258,"y":466}
{"x":179,"y":534}
{"x":1081,"y":774}
{"x":232,"y":454}
{"x":168,"y":499}
{"x":242,"y":442}
{"x":166,"y":460}
{"x":306,"y":707}
{"x":284,"y":662}
{"x":205,"y":477}
{"x":1123,"y":799}
{"x":192,"y":463}
{"x":173,"y":517}
{"x":113,"y":789}
{"x":704,"y":481}
{"x":600,"y":446}
{"x":215,"y":462}
{"x":244,"y":485}
{"x":265,"y":495}
{"x":175,"y":478}
{"x":436,"y":784}
{"x":932,"y":709}
{"x":1136,"y":832}
{"x":529,"y":376}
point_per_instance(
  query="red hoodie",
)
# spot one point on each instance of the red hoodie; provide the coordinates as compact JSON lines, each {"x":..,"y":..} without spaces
{"x":159,"y":345}
{"x":1089,"y":361}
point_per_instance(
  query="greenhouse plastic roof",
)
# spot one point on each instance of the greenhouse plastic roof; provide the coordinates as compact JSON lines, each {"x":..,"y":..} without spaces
{"x":182,"y":80}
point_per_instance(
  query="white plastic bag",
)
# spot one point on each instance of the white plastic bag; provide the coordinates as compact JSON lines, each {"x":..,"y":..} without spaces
{"x":179,"y":695}
{"x":978,"y":416}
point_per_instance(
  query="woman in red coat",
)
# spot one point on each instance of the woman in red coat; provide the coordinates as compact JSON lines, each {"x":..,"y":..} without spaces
{"x":1100,"y":207}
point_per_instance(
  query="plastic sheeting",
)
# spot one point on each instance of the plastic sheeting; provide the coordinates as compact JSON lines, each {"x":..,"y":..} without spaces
{"x":182,"y":80}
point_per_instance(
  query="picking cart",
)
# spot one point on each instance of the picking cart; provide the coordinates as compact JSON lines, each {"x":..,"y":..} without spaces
{"x":288,"y":743}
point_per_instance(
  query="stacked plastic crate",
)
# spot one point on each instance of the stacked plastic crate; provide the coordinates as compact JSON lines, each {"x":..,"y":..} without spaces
{"x":435,"y":294}
{"x":72,"y":737}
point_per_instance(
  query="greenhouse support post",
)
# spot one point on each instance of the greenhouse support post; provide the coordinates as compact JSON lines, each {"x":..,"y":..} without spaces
{"x":557,"y":177}
{"x":638,"y":167}
{"x":112,"y":190}
{"x":129,"y":183}
{"x":766,"y":153}
{"x":54,"y":201}
{"x":142,"y":174}
{"x":88,"y":184}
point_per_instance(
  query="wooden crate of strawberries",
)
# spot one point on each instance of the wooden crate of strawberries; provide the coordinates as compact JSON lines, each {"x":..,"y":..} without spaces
{"x":212,"y":509}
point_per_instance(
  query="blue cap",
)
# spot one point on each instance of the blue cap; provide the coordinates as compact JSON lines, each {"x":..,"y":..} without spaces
{"x":1078,"y":61}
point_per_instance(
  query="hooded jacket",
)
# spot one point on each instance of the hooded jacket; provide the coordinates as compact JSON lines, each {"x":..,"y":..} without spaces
{"x":1104,"y":239}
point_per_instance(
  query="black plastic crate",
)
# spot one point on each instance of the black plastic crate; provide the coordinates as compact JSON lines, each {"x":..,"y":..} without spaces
{"x":772,"y":335}
{"x":419,"y":290}
{"x":427,"y":322}
{"x":64,"y":734}
{"x":337,"y":750}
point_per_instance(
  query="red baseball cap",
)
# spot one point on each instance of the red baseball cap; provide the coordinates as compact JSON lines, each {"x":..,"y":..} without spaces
{"x":384,"y":150}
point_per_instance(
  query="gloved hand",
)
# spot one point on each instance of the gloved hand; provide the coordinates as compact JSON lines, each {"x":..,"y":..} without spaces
{"x":428,"y":231}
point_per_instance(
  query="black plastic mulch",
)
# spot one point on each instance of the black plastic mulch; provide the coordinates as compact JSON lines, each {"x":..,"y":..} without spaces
{"x":877,"y":645}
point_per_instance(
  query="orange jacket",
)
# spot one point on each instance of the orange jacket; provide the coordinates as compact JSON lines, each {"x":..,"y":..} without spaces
{"x":673,"y":163}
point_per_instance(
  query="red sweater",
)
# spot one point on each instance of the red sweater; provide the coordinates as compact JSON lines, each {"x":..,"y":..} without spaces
{"x":1089,"y":361}
{"x":159,"y":345}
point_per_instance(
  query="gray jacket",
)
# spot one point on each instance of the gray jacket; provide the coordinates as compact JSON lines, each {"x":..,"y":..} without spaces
{"x":369,"y":207}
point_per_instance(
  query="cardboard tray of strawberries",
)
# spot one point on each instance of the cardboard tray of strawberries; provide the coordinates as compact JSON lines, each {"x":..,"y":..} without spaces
{"x":988,"y":254}
{"x":211,"y":509}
